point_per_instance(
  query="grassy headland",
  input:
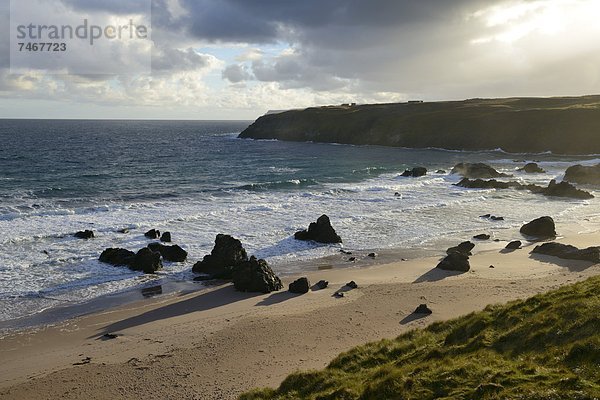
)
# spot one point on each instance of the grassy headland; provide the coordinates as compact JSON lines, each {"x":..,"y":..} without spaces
{"x":546,"y":347}
{"x":562,"y":125}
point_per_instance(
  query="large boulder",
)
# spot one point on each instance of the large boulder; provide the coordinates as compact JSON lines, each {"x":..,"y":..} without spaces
{"x":255,"y":276}
{"x":147,"y":261}
{"x":455,"y":262}
{"x":415,"y":172}
{"x":483,"y":184}
{"x":169,"y":253}
{"x":476,"y":170}
{"x":117,"y":256}
{"x":586,"y":175}
{"x":224,"y":257}
{"x":300,"y":286}
{"x":569,"y":252}
{"x":565,"y":189}
{"x":87,"y":234}
{"x":463,"y":248}
{"x":532,"y":168}
{"x":542,"y":227}
{"x":321,"y":232}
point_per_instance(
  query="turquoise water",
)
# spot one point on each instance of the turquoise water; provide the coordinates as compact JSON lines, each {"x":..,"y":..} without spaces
{"x":197,"y":179}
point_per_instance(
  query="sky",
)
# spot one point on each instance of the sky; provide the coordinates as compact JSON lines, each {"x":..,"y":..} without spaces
{"x":237,"y":59}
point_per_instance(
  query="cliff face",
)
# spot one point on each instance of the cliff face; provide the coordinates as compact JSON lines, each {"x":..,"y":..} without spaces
{"x":566,"y":125}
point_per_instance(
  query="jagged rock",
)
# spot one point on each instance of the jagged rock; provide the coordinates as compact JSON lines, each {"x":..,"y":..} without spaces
{"x":569,"y":252}
{"x":514,"y":245}
{"x":476,"y":170}
{"x":321,"y":232}
{"x":352,"y":285}
{"x":352,"y":259}
{"x":482,"y":236}
{"x":147,"y":261}
{"x":463,"y":248}
{"x":585,"y":175}
{"x":300,"y":286}
{"x":565,"y":189}
{"x":532,"y":168}
{"x":117,"y":256}
{"x":542,"y":227}
{"x":455,"y":261}
{"x":255,"y":276}
{"x":169,"y":253}
{"x":372,"y":255}
{"x":152,"y":234}
{"x":415,"y":172}
{"x":562,"y":189}
{"x":84,"y":234}
{"x":227,"y":253}
{"x":321,"y":285}
{"x":423,"y":309}
{"x":166,"y":237}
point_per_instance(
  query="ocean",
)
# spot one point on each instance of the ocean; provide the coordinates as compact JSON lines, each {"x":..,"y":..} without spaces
{"x":197,"y":179}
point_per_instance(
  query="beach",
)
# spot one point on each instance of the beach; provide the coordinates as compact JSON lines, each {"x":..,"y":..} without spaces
{"x":218,"y":343}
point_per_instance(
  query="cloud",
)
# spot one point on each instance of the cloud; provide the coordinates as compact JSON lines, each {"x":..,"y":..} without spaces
{"x":236,"y":73}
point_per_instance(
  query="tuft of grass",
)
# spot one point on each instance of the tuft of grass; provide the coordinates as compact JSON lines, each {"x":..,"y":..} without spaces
{"x":546,"y":347}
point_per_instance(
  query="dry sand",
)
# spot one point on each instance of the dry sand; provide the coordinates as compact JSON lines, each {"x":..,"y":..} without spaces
{"x":217,"y":343}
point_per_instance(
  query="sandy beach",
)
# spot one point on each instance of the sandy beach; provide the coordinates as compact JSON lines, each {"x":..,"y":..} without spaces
{"x":217,"y":343}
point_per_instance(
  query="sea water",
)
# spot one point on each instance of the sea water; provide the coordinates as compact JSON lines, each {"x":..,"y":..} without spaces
{"x":197,"y":179}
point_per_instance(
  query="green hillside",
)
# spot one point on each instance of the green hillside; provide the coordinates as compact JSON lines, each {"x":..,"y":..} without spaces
{"x":563,"y":125}
{"x":546,"y":347}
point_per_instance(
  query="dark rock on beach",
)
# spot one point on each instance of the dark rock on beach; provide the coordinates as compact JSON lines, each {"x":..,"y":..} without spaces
{"x":300,"y":286}
{"x":463,"y":248}
{"x":147,"y":261}
{"x":476,"y":170}
{"x":440,"y":171}
{"x":117,"y":256}
{"x":321,"y":285}
{"x":227,"y":253}
{"x":569,"y":252}
{"x":169,"y":253}
{"x":152,"y":234}
{"x":84,"y":234}
{"x":372,"y":255}
{"x":483,"y":236}
{"x":455,"y":261}
{"x":352,"y":285}
{"x":542,"y":227}
{"x":255,"y":276}
{"x":415,"y":172}
{"x":585,"y":175}
{"x":320,"y":231}
{"x":166,"y":237}
{"x":532,"y":168}
{"x":423,"y":309}
{"x":514,"y":245}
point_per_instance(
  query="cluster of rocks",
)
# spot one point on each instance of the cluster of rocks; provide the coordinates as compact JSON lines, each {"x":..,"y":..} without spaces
{"x":155,"y":234}
{"x":532,"y":168}
{"x":457,"y":258}
{"x":562,"y":189}
{"x":229,"y":260}
{"x":568,"y":252}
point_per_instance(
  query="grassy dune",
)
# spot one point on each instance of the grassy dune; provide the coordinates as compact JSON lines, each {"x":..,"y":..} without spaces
{"x":563,"y":125}
{"x":546,"y":347}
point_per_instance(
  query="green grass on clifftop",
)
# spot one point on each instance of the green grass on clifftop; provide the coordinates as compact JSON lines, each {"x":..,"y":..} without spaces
{"x":546,"y":347}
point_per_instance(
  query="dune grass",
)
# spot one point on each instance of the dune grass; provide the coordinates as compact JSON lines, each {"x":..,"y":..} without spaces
{"x":546,"y":347}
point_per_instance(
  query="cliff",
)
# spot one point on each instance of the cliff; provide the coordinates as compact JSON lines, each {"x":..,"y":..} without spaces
{"x":562,"y":125}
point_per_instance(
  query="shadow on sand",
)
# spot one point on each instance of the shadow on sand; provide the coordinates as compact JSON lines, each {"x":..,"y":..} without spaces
{"x":412,"y":317}
{"x":571,"y":265}
{"x":436,"y":274}
{"x":202,"y":302}
{"x":278,"y":297}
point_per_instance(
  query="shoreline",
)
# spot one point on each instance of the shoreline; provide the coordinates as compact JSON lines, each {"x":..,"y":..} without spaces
{"x":230,"y":342}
